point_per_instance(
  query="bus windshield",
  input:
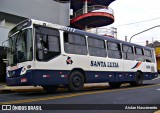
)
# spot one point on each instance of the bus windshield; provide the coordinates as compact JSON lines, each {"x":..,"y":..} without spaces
{"x":20,"y":47}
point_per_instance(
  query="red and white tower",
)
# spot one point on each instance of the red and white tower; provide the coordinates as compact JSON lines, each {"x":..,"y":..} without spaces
{"x":91,"y":13}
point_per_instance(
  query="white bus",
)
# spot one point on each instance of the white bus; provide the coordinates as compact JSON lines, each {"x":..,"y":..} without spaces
{"x":49,"y":55}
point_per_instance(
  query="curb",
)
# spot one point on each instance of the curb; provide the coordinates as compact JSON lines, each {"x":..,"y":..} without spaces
{"x":24,"y":89}
{"x":4,"y":91}
{"x":156,"y":78}
{"x":19,"y":89}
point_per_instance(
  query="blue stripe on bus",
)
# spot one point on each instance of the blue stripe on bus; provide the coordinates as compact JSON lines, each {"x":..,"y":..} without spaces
{"x":51,"y":77}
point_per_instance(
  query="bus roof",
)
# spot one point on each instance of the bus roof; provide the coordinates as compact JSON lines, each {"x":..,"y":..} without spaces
{"x":69,"y":29}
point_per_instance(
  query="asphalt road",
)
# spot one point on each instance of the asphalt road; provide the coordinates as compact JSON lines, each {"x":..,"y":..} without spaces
{"x":97,"y":99}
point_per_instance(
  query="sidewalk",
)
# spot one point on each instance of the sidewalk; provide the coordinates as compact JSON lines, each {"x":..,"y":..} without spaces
{"x":19,"y":89}
{"x":2,"y":88}
{"x":25,"y":89}
{"x":2,"y":84}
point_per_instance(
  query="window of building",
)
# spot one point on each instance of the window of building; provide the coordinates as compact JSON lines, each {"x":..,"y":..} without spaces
{"x":75,"y":44}
{"x":96,"y":47}
{"x":128,"y":53}
{"x":114,"y":50}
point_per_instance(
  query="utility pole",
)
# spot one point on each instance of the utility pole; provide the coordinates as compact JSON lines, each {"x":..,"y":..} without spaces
{"x":152,"y":40}
{"x":126,"y":38}
{"x":85,"y":10}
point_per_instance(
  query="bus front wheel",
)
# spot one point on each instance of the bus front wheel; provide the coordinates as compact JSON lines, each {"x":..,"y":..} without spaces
{"x":50,"y":88}
{"x":138,"y":81}
{"x":76,"y":81}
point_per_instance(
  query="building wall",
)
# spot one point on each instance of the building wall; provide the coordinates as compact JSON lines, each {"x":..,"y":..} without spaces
{"x":158,"y":64}
{"x":4,"y":34}
{"x":45,"y":10}
{"x":2,"y":64}
{"x":9,"y":25}
{"x":157,"y":52}
{"x":15,"y":11}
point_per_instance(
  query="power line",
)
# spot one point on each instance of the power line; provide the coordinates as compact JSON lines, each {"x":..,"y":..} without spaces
{"x":148,"y":41}
{"x":137,"y":22}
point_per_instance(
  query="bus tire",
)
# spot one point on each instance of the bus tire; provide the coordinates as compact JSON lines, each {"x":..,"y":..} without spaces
{"x":114,"y":84}
{"x":50,"y":88}
{"x":76,"y":81}
{"x":138,"y":81}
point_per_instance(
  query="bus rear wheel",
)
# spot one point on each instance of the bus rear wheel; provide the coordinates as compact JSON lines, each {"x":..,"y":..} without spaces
{"x":138,"y":81}
{"x":50,"y":88}
{"x":114,"y":84}
{"x":76,"y":81}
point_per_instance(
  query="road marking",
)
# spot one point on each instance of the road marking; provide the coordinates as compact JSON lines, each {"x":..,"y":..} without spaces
{"x":157,"y":89}
{"x":71,"y":95}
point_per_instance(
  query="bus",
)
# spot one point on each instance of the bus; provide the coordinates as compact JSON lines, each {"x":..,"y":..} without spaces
{"x":50,"y":55}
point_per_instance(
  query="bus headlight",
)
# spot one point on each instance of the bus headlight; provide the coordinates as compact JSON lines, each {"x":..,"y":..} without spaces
{"x":23,"y":71}
{"x":7,"y":73}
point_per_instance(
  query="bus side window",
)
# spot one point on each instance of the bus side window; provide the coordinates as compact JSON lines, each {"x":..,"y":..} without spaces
{"x":75,"y":44}
{"x":47,"y":43}
{"x":139,"y":54}
{"x":96,"y":47}
{"x":148,"y":55}
{"x":114,"y":50}
{"x":128,"y":53}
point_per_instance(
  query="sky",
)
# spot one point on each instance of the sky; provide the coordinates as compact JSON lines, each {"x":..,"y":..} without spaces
{"x":145,"y":12}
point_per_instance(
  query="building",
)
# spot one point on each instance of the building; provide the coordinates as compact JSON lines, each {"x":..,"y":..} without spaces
{"x":156,"y":46}
{"x":14,"y":11}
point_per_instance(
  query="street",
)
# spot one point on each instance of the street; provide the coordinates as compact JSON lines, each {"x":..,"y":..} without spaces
{"x":148,"y":94}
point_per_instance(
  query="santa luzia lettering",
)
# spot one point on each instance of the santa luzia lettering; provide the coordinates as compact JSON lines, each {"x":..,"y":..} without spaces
{"x":103,"y":64}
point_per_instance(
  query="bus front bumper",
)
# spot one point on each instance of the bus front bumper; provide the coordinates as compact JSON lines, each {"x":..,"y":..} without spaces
{"x":23,"y":80}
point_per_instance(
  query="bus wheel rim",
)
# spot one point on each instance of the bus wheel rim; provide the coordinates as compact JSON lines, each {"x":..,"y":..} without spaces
{"x":77,"y":81}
